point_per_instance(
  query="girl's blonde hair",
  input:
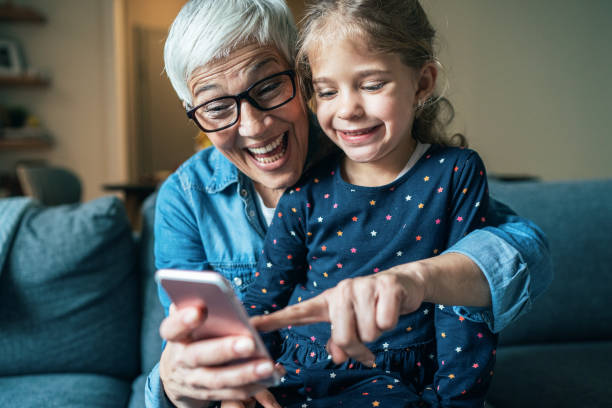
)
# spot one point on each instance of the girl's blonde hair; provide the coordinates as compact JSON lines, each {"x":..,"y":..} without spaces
{"x":386,"y":26}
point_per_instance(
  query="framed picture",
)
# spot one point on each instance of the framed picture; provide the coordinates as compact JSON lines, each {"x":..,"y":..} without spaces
{"x":11,"y":63}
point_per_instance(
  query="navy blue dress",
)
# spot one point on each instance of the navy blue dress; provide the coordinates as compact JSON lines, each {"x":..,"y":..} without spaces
{"x":326,"y":230}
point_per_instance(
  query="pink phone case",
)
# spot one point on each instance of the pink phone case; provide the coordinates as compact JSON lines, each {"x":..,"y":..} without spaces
{"x":225,"y":314}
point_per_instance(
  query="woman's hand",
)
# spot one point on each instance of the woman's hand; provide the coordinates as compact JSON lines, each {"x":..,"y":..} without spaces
{"x":264,"y":397}
{"x":194,"y":372}
{"x":358,"y":309}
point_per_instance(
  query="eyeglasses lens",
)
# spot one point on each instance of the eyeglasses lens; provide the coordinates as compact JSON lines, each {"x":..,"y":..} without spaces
{"x":266,"y":94}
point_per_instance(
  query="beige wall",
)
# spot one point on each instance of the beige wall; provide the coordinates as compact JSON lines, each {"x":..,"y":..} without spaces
{"x":297,"y":7}
{"x":531,"y":82}
{"x":76,"y":47}
{"x":160,"y":136}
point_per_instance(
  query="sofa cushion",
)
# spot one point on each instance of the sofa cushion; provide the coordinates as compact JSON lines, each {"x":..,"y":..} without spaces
{"x":576,"y":217}
{"x":553,"y":375}
{"x":63,"y":391}
{"x":153,"y":312}
{"x":69,"y":293}
{"x":137,"y":399}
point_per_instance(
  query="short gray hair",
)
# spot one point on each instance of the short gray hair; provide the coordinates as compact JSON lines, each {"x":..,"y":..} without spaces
{"x":208,"y":30}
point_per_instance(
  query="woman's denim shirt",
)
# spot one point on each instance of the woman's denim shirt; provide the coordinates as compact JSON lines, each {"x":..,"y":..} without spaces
{"x":207,"y":218}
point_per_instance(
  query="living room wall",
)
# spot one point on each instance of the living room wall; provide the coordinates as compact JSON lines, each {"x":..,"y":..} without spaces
{"x":81,"y":108}
{"x":531,"y":84}
{"x":529,"y":80}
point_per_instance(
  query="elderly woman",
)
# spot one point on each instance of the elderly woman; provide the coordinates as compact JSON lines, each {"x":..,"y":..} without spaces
{"x":230,"y":63}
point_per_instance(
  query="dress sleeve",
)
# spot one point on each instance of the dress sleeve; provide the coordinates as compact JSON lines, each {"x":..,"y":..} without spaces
{"x":513,"y":254}
{"x":282,"y":264}
{"x":470,"y":198}
{"x":465,"y":349}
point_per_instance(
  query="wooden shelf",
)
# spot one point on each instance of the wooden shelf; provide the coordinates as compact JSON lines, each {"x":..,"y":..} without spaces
{"x":24,"y":80}
{"x":19,"y":14}
{"x":24,"y":144}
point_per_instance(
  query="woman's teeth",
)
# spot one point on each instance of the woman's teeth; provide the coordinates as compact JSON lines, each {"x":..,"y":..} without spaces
{"x":267,"y":148}
{"x":270,"y":159}
{"x":270,"y":152}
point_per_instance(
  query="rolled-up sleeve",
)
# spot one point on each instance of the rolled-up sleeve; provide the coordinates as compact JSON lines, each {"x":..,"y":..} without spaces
{"x":155,"y":396}
{"x":514,"y":256}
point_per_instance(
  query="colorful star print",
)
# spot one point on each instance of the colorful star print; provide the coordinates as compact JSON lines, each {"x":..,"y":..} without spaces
{"x":364,"y":231}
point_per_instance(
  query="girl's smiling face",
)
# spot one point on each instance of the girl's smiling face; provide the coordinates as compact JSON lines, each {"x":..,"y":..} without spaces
{"x":365,"y":101}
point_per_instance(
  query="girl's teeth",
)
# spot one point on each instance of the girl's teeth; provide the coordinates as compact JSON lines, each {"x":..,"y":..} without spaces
{"x":356,"y":132}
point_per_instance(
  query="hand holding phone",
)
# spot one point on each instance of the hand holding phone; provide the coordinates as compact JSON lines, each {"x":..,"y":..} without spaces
{"x":225,"y":315}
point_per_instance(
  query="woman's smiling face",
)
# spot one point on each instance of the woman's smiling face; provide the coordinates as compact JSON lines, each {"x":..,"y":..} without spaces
{"x":269,"y":147}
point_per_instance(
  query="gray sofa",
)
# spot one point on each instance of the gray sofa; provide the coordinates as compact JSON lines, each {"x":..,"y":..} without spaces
{"x":560,"y":354}
{"x":79,"y":314}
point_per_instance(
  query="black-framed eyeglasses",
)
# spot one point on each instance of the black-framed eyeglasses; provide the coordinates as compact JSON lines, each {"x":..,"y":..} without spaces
{"x":266,"y":94}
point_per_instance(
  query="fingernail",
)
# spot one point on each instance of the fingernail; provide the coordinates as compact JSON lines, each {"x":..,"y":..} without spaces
{"x":280,"y":368}
{"x":264,"y":369}
{"x":244,"y":346}
{"x":190,"y":316}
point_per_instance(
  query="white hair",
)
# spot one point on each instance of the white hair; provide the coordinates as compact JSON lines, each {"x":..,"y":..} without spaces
{"x":208,"y":30}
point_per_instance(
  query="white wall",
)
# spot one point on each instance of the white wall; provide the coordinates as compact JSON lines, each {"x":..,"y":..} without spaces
{"x":76,"y":47}
{"x":531,"y":82}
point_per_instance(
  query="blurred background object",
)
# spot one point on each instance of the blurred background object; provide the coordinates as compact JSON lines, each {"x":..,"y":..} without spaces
{"x":50,"y":185}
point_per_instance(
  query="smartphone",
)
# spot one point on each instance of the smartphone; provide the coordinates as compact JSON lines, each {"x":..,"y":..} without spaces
{"x":225,"y":314}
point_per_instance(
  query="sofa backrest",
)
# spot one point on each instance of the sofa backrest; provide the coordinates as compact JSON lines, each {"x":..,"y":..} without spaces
{"x":576,"y":217}
{"x":153,"y":312}
{"x":69,"y":293}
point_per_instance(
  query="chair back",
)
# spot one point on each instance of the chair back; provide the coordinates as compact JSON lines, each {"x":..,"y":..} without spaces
{"x":50,"y":185}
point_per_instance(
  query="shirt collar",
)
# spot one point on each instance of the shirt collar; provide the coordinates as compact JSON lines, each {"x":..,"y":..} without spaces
{"x":224,"y":172}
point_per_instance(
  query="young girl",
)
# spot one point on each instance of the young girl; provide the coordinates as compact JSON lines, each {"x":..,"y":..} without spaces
{"x":398,"y":193}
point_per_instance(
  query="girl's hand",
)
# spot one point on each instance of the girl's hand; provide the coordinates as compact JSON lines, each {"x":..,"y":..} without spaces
{"x":359,"y":310}
{"x":194,"y":372}
{"x":264,"y":397}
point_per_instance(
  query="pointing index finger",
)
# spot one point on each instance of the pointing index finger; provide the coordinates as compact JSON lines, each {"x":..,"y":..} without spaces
{"x":309,"y":311}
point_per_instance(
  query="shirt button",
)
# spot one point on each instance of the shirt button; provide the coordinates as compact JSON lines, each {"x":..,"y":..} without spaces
{"x":237,"y":281}
{"x":252,"y":213}
{"x":243,"y":192}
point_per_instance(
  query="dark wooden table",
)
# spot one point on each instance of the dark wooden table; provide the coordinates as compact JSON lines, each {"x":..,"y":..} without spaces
{"x":134,"y":194}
